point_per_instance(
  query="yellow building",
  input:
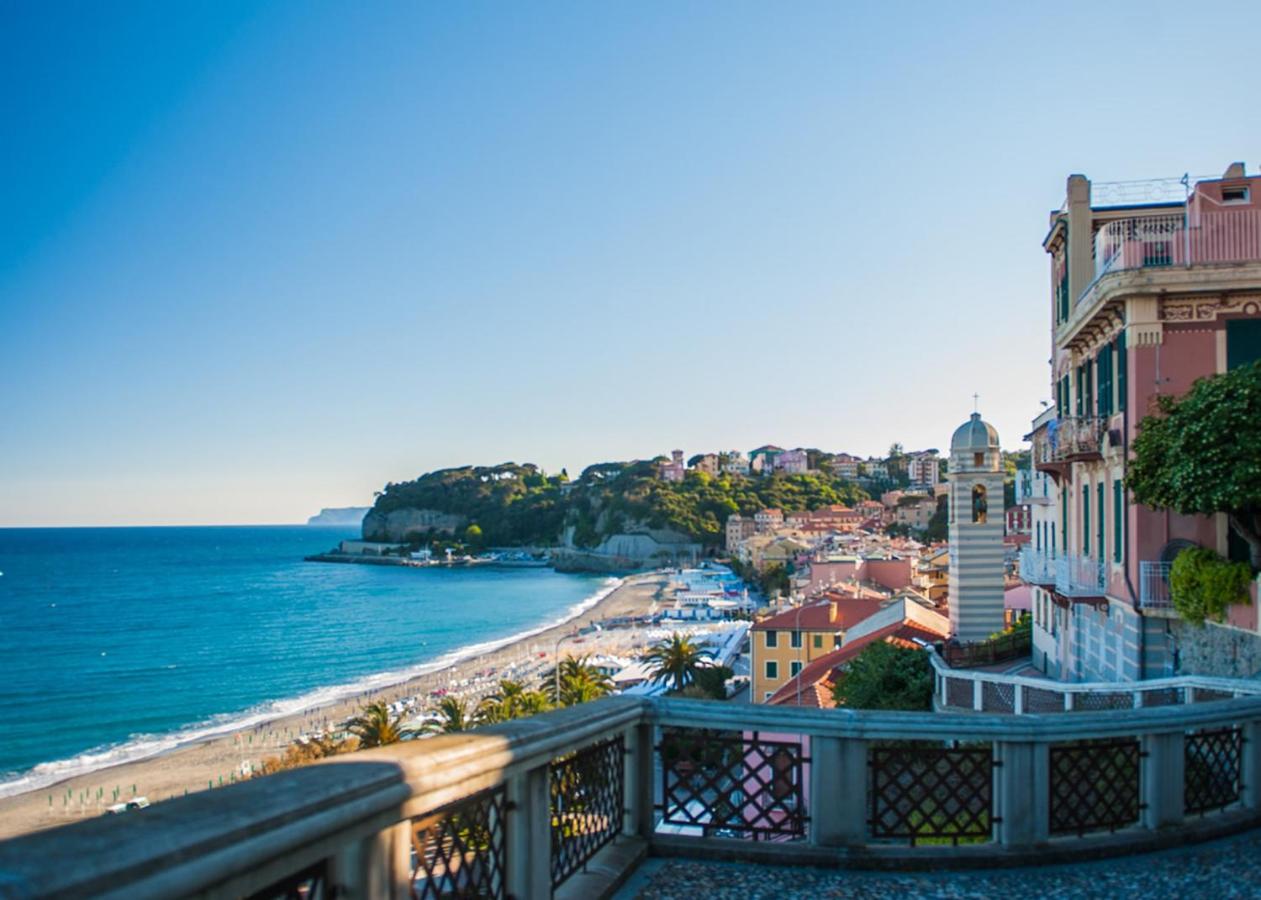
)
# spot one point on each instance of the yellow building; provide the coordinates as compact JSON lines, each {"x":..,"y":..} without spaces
{"x":783,"y":644}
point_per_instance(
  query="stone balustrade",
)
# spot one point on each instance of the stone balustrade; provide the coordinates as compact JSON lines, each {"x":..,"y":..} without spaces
{"x":565,"y":804}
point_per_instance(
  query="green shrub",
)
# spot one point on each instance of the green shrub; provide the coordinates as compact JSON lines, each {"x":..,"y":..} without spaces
{"x":1203,"y":585}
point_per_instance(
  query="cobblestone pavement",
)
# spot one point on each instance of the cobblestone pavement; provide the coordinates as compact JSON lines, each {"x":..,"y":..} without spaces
{"x":1230,"y":868}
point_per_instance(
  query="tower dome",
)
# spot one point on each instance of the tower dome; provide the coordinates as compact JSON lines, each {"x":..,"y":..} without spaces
{"x":974,"y":435}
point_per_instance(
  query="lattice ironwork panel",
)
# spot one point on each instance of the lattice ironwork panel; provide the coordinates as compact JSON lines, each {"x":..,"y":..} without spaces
{"x":732,"y":784}
{"x":587,"y":801}
{"x":1207,"y":695}
{"x":931,"y":794}
{"x":1212,"y":769}
{"x":1095,"y":785}
{"x":1085,"y":701}
{"x":998,"y":697}
{"x":459,"y":851}
{"x":1163,"y":697}
{"x":310,"y":884}
{"x":1042,"y":700}
{"x":959,"y":693}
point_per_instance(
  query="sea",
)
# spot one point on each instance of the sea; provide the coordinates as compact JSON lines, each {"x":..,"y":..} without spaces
{"x":120,"y":643}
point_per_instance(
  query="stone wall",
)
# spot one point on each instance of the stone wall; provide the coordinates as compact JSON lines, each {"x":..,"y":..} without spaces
{"x":1219,"y":650}
{"x":402,"y":523}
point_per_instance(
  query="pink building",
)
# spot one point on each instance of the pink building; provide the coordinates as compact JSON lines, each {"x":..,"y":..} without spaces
{"x":792,"y":462}
{"x":1145,"y":299}
{"x":674,"y":469}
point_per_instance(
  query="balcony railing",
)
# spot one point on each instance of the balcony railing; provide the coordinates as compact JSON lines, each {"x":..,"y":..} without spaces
{"x":1153,"y":586}
{"x":1077,"y":438}
{"x":1080,"y":576}
{"x":1209,"y":238}
{"x":1036,"y":567}
{"x":991,"y":692}
{"x":565,"y":804}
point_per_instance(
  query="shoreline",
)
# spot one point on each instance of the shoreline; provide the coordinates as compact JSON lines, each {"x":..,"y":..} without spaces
{"x":202,"y":761}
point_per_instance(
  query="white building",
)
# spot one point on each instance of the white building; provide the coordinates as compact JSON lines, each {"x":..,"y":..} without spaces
{"x":924,"y":468}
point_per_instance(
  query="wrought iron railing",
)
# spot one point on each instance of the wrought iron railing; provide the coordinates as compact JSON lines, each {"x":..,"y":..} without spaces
{"x":1080,"y":576}
{"x":1153,"y":585}
{"x":1077,"y":437}
{"x":564,"y":803}
{"x":587,"y":796}
{"x":1036,"y":566}
{"x":998,"y":649}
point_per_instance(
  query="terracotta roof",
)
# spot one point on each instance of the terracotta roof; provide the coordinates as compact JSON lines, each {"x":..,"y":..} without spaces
{"x":818,"y":677}
{"x":850,"y":610}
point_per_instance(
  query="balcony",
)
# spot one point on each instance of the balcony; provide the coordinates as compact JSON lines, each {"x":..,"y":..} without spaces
{"x":1220,"y":237}
{"x":1031,"y":488}
{"x":1153,"y":587}
{"x":567,"y":804}
{"x":1080,"y":576}
{"x":1036,"y":567}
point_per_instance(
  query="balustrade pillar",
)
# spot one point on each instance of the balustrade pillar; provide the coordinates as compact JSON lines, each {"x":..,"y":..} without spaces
{"x":1022,"y":782}
{"x":1163,"y":779}
{"x":376,"y":866}
{"x":1250,"y":765}
{"x":838,"y":792}
{"x":639,"y":781}
{"x":529,"y":834}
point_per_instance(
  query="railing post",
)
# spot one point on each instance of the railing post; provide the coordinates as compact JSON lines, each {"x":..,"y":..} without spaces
{"x":1250,"y":765}
{"x":1022,"y":782}
{"x":529,"y":834}
{"x":978,"y":695}
{"x":838,"y":792}
{"x":1162,"y":777}
{"x":1018,"y":699}
{"x":639,"y":781}
{"x":377,"y":866}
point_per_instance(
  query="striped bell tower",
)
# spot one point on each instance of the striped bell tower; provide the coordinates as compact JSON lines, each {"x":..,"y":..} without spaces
{"x":976,"y":531}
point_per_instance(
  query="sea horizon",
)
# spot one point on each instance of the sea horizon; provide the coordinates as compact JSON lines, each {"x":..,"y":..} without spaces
{"x":113,"y":657}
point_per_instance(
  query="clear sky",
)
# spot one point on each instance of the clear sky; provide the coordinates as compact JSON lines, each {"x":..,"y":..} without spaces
{"x":256,"y":259}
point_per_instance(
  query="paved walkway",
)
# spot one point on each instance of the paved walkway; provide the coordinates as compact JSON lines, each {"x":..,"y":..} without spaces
{"x":1220,"y":870}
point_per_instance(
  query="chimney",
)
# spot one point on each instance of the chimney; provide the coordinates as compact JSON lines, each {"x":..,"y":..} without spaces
{"x":1235,"y":170}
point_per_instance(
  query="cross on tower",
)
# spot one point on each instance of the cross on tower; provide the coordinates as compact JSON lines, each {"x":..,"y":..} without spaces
{"x":976,"y":402}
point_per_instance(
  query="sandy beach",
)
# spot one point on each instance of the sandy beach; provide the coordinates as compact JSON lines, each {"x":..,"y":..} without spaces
{"x":221,"y":760}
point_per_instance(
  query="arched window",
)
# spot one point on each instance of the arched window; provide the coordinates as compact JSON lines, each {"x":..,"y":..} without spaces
{"x":979,"y":506}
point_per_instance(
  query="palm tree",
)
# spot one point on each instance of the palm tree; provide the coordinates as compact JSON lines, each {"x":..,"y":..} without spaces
{"x":512,"y":701}
{"x":376,"y":727}
{"x":580,"y":681}
{"x":676,"y":659}
{"x":453,"y":715}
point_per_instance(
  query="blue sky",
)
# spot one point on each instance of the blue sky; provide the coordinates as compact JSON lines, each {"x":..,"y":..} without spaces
{"x":256,"y":259}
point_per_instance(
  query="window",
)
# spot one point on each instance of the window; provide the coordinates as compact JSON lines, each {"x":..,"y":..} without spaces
{"x":794,"y":668}
{"x":772,"y":669}
{"x":1118,"y":521}
{"x":818,"y":642}
{"x":836,"y":640}
{"x":794,"y":639}
{"x":1235,"y":194}
{"x":978,"y":459}
{"x":772,"y":639}
{"x":1243,"y":342}
{"x":980,"y":508}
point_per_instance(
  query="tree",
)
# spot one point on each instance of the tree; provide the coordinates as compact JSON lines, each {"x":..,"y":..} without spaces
{"x":473,"y":535}
{"x":580,"y":681}
{"x":453,"y":716}
{"x":1202,"y":585}
{"x":1201,"y":454}
{"x":513,"y":700}
{"x":885,"y":676}
{"x":375,"y":726}
{"x":676,"y":660}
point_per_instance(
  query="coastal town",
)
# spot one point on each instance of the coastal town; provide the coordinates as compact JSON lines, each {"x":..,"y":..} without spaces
{"x":759,"y":452}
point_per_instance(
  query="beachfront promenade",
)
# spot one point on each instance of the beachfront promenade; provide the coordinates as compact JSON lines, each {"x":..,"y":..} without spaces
{"x":568,"y":803}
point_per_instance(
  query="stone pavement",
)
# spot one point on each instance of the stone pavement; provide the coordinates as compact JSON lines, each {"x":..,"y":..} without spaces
{"x":1218,"y":870}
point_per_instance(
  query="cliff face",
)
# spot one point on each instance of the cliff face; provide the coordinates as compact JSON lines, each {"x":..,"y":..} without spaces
{"x":402,"y":524}
{"x":341,"y":515}
{"x":635,"y":548}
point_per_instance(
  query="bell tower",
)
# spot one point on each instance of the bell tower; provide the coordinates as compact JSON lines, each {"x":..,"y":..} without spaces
{"x":976,"y":531}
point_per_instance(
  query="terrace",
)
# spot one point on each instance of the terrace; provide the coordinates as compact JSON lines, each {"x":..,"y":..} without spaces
{"x":570,"y":803}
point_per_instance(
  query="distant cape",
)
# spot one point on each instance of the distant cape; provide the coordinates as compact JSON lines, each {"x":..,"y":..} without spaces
{"x":344,"y":515}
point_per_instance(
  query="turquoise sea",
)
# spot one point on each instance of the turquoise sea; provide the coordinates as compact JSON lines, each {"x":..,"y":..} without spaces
{"x":117,"y":643}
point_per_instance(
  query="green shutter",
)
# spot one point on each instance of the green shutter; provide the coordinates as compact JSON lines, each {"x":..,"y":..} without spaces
{"x":1122,"y":375}
{"x":1243,"y":342}
{"x":1064,"y":518}
{"x":1099,"y":540}
{"x":1118,"y":521}
{"x":1085,"y":520}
